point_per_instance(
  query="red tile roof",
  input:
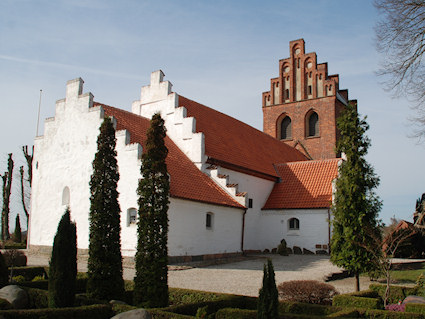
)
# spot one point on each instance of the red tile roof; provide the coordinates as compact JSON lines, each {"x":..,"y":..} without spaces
{"x":306,"y":184}
{"x":232,"y":142}
{"x":186,"y":180}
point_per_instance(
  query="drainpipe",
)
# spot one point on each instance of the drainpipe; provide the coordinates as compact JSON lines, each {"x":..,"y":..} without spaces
{"x":243,"y":230}
{"x":329,"y":231}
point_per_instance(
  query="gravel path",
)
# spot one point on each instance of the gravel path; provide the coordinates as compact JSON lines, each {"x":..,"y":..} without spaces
{"x":244,"y":277}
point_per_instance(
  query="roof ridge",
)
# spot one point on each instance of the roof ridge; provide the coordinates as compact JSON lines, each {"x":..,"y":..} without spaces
{"x":309,"y":161}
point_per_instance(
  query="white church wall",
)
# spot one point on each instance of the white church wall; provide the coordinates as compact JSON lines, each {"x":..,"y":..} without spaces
{"x":258,"y":190}
{"x":313,"y":228}
{"x":63,"y":159}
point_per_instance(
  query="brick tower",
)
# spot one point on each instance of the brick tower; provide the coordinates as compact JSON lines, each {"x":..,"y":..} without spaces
{"x":303,"y":104}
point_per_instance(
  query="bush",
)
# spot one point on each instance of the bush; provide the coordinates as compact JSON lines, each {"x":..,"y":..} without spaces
{"x":385,"y":314}
{"x":396,"y":307}
{"x":306,"y":309}
{"x":397,"y":293}
{"x":38,"y":278}
{"x":232,"y":313}
{"x":348,"y":300}
{"x":268,"y":297}
{"x":282,"y":248}
{"x":415,"y":307}
{"x":30,"y":272}
{"x":88,"y":312}
{"x":5,"y":305}
{"x":38,"y":298}
{"x":15,"y":258}
{"x":4,"y":272}
{"x":308,"y":291}
{"x":18,"y":279}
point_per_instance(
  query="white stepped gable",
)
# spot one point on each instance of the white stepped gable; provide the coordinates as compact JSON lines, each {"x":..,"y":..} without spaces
{"x":157,"y":97}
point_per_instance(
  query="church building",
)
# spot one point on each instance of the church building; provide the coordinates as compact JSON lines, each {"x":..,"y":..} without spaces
{"x":233,"y":188}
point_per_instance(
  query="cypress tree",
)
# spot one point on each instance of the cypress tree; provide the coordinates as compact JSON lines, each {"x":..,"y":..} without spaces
{"x":63,"y":264}
{"x":151,"y":285}
{"x":17,"y":235}
{"x":105,"y":279}
{"x":268,"y":302}
{"x":356,"y":206}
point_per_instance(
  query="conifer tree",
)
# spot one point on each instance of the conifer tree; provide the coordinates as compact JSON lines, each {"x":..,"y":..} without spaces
{"x":17,"y":235}
{"x":268,"y":301}
{"x":7,"y":184}
{"x":105,"y":272}
{"x":356,"y":206}
{"x":151,"y":285}
{"x":4,"y":272}
{"x":63,"y":264}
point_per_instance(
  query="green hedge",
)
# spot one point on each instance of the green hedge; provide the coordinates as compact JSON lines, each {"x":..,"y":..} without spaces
{"x":162,"y":314}
{"x":87,"y":312}
{"x":80,"y":285}
{"x":348,"y":300}
{"x":397,"y":293}
{"x":38,"y":298}
{"x":415,"y":307}
{"x":179,"y":296}
{"x":233,"y":313}
{"x":306,"y":308}
{"x":385,"y":314}
{"x":29,"y":272}
{"x":346,"y":313}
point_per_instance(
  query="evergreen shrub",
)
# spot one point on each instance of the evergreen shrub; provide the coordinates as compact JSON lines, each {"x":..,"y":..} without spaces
{"x":17,"y":235}
{"x":4,"y":272}
{"x":308,"y":291}
{"x":268,"y":297}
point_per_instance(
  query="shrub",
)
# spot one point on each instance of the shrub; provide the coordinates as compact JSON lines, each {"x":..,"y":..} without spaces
{"x":384,"y":314}
{"x":348,"y":300}
{"x":268,"y":297}
{"x":38,"y":298}
{"x":15,"y":258}
{"x":309,"y":291}
{"x":38,"y":278}
{"x":396,"y":307}
{"x":5,"y":305}
{"x":282,"y":249}
{"x":19,"y":278}
{"x":232,"y":313}
{"x":4,"y":272}
{"x":17,"y":235}
{"x":415,"y":307}
{"x":63,"y":264}
{"x":397,"y":293}
{"x":30,"y":272}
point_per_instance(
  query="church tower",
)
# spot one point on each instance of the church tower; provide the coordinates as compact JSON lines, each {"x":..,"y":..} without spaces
{"x":303,"y":104}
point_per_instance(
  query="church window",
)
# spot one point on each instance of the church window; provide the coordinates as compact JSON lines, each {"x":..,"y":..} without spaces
{"x":209,"y":220}
{"x":65,"y":196}
{"x":286,"y":94}
{"x":286,"y":128}
{"x":294,"y":224}
{"x":131,"y":216}
{"x":309,"y":90}
{"x":313,"y":125}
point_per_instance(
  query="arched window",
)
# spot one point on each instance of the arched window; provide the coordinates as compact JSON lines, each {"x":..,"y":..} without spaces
{"x":131,"y":216}
{"x":286,"y":128}
{"x":313,"y":124}
{"x":294,"y":223}
{"x":65,"y":196}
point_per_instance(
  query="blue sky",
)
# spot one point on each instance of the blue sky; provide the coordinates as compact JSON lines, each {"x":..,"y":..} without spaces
{"x":219,"y":53}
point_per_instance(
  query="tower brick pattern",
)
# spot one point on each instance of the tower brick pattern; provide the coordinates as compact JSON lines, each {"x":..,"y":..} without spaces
{"x":311,"y":99}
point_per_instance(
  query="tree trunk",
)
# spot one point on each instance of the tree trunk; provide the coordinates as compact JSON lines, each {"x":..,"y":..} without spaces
{"x":357,"y":281}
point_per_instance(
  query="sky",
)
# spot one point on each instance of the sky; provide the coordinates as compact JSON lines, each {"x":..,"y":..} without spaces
{"x":219,"y":53}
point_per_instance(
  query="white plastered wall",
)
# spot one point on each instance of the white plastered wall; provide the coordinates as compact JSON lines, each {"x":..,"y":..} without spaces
{"x":313,"y":228}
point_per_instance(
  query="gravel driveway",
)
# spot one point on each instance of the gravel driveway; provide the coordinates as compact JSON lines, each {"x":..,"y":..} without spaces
{"x":245,"y":277}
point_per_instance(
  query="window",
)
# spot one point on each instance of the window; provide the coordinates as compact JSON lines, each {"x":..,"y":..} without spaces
{"x":286,"y":128}
{"x":287,"y":94}
{"x":250,"y":203}
{"x":131,"y":216}
{"x":65,"y":196}
{"x":209,"y":220}
{"x":313,"y":125}
{"x":309,"y":90}
{"x":294,"y":223}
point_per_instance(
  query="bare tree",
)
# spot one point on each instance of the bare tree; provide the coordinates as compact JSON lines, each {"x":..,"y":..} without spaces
{"x":26,"y":188}
{"x":7,"y":184}
{"x":401,"y":39}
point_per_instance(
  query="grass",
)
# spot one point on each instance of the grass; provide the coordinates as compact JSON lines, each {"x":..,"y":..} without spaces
{"x":408,"y":276}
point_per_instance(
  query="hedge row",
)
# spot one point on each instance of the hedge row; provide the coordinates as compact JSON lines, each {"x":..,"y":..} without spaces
{"x":357,"y":302}
{"x":86,"y":312}
{"x":29,"y":272}
{"x":306,"y":308}
{"x":80,"y":284}
{"x":385,"y":314}
{"x":415,"y":307}
{"x":397,"y":293}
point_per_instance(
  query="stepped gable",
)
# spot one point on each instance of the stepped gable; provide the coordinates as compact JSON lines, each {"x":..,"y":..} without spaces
{"x":306,"y":184}
{"x":235,"y":145}
{"x":186,"y":180}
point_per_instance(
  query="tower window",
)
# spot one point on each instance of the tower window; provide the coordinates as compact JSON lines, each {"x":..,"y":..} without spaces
{"x":294,"y":224}
{"x":309,"y":90}
{"x":286,"y":128}
{"x":313,"y":125}
{"x":287,"y":94}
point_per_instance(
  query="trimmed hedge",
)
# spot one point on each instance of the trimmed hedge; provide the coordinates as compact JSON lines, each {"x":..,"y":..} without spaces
{"x":38,"y":298}
{"x":87,"y":312}
{"x":80,"y":285}
{"x":162,"y":314}
{"x":306,"y":308}
{"x":415,"y":307}
{"x":233,"y":313}
{"x":397,"y":293}
{"x":348,"y":300}
{"x":385,"y":314}
{"x":29,"y":272}
{"x":346,"y":313}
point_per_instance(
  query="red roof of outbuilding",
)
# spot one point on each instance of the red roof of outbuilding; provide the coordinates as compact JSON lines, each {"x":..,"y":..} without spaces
{"x":306,"y":184}
{"x":186,"y":180}
{"x":232,"y":143}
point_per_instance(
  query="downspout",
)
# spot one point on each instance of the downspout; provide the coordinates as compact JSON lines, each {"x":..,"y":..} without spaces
{"x":329,"y":231}
{"x":243,"y":230}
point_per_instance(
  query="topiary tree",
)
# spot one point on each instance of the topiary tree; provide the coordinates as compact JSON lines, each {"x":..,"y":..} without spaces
{"x":17,"y":235}
{"x":63,"y":264}
{"x":356,"y":206}
{"x":268,"y":302}
{"x":151,"y":286}
{"x":105,"y":279}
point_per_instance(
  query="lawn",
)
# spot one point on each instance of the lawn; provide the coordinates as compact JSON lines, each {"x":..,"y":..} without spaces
{"x":409,"y":275}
